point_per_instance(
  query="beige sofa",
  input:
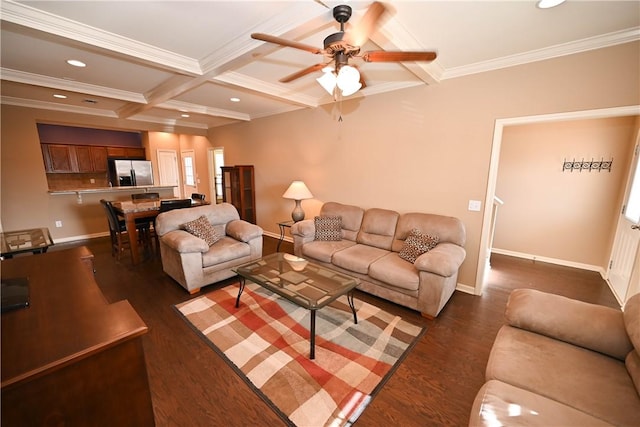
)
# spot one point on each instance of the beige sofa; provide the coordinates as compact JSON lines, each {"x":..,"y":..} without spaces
{"x":190,"y":261}
{"x":562,"y":362}
{"x":370,"y":241}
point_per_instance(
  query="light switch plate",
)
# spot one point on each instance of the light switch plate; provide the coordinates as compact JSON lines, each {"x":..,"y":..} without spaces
{"x":475,"y":205}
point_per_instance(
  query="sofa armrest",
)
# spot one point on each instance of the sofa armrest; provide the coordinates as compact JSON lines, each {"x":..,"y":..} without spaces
{"x":242,"y":230}
{"x":445,"y":259}
{"x":183,"y":242}
{"x":591,"y":326}
{"x":305,"y":229}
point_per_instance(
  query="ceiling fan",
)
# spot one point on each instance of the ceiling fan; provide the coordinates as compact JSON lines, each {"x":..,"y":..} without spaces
{"x":341,"y":46}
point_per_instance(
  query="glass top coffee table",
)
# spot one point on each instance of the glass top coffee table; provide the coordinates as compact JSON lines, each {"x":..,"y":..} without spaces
{"x":35,"y":240}
{"x":303,"y":283}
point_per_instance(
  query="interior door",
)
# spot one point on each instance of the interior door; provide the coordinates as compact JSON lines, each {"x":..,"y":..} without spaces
{"x":627,"y":239}
{"x":168,"y":170}
{"x":189,"y":176}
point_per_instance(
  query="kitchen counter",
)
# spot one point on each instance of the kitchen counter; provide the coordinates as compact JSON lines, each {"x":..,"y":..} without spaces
{"x":77,"y":191}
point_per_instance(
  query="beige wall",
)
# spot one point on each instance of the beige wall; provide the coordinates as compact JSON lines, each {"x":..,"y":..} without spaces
{"x":566,"y":216}
{"x":420,"y":149}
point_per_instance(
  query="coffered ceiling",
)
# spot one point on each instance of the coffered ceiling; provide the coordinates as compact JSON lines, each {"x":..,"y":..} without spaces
{"x":155,"y":61}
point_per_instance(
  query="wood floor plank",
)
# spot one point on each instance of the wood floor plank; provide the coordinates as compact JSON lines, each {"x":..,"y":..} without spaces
{"x":434,"y":386}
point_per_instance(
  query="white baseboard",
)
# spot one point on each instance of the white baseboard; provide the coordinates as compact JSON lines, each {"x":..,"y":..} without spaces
{"x":277,"y":236}
{"x":81,"y":237}
{"x":556,"y":261}
{"x":466,"y":289}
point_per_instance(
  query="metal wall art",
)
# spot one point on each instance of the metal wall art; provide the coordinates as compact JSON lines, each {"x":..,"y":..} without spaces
{"x":581,"y":165}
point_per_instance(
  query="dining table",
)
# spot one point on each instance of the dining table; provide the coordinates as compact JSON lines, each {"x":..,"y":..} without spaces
{"x":131,"y":210}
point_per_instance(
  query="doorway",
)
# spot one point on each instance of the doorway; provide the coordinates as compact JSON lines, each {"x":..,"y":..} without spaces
{"x":486,"y":235}
{"x":168,"y":170}
{"x":216,"y":162}
{"x":189,"y":176}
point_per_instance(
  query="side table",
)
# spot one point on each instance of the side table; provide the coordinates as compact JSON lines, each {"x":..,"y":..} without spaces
{"x":283,"y":225}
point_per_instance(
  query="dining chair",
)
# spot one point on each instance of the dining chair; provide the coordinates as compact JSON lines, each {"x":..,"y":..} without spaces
{"x":149,"y":230}
{"x":150,"y":196}
{"x":197,"y":196}
{"x":118,"y":231}
{"x":168,"y":205}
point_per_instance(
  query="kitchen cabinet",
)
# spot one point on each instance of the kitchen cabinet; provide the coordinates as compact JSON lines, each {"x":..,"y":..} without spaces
{"x":133,"y":153}
{"x":238,"y":188}
{"x":91,"y":158}
{"x":63,"y":158}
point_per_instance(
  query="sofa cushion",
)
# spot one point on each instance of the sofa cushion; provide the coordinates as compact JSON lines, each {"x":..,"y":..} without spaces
{"x":569,"y":320}
{"x":417,"y":244}
{"x":202,"y":228}
{"x":396,"y":272}
{"x":227,"y":249}
{"x":217,"y":214}
{"x":378,"y":228}
{"x":448,"y":229}
{"x":351,"y":217}
{"x":501,"y":404}
{"x":357,"y":258}
{"x":632,"y":320}
{"x":323,"y":251}
{"x":328,"y":228}
{"x":632,"y":363}
{"x":583,"y":379}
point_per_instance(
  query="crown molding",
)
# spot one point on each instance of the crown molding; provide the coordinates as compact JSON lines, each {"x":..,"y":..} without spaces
{"x":27,"y":16}
{"x":43,"y":105}
{"x":201,"y":109}
{"x":578,"y":46}
{"x":69,"y":85}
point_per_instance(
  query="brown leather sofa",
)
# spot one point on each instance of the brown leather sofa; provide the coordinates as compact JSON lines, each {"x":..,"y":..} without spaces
{"x":368,"y":248}
{"x":562,"y":362}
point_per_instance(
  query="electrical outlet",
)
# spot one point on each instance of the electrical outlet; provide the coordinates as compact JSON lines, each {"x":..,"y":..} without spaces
{"x":58,"y":224}
{"x":474,"y":205}
{"x":92,"y":181}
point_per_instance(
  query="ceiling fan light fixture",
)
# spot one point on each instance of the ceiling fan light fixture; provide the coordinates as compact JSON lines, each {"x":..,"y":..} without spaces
{"x":548,"y":4}
{"x":327,"y":80}
{"x":348,"y":80}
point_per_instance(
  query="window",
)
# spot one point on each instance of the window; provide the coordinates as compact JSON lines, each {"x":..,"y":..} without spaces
{"x":189,"y":177}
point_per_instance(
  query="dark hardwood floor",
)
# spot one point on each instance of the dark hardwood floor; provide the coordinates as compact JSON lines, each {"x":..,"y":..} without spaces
{"x":435,"y":385}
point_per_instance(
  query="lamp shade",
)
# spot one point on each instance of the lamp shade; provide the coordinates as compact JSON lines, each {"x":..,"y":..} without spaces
{"x":297,"y":191}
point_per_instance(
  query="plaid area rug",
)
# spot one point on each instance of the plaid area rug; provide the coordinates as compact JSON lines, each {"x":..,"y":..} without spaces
{"x":266,"y":340}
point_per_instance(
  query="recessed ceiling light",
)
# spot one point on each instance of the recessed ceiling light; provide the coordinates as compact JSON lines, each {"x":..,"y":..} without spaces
{"x":185,"y":115}
{"x":548,"y":4}
{"x":234,"y":99}
{"x":76,"y":63}
{"x":57,"y":95}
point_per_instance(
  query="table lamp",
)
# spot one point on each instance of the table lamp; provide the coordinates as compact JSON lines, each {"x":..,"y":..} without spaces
{"x":297,"y":191}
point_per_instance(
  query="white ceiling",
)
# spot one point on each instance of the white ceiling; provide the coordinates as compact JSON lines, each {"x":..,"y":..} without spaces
{"x":152,"y":61}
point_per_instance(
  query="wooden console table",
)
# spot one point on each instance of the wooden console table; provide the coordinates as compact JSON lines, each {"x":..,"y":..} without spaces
{"x":71,"y":358}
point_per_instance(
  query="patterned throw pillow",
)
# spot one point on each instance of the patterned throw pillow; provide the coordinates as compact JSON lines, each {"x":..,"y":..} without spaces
{"x":203,"y":229}
{"x":328,"y":228}
{"x":417,"y":244}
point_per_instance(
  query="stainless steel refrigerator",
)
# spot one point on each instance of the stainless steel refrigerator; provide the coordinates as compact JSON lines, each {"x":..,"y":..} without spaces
{"x":127,"y":173}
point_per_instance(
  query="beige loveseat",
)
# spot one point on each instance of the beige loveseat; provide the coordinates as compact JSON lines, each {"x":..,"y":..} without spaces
{"x":190,"y":261}
{"x":562,"y":362}
{"x":369,"y":246}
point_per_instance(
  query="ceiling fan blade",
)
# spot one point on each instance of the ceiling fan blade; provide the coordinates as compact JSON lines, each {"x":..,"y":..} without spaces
{"x":397,"y":56}
{"x":303,"y":72}
{"x":360,"y":33}
{"x":285,"y":42}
